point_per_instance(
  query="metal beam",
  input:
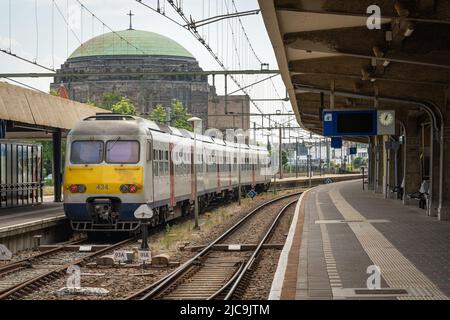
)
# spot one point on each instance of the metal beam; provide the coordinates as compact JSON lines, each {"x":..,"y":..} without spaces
{"x":362,"y":14}
{"x":146,"y":73}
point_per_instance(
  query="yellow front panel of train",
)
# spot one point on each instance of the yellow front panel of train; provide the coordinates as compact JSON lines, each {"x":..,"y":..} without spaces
{"x":103,"y":179}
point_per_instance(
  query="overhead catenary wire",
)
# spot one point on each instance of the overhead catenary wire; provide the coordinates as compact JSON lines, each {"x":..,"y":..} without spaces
{"x":110,"y":29}
{"x":177,"y":6}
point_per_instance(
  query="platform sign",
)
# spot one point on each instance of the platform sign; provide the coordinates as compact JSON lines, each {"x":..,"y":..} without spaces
{"x":339,"y":123}
{"x":143,"y":212}
{"x":336,"y":142}
{"x":145,"y":256}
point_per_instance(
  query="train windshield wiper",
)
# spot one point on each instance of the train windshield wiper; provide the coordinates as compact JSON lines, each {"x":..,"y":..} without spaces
{"x":114,"y":143}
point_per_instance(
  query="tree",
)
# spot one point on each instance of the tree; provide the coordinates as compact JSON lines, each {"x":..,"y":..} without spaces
{"x":47,"y":155}
{"x":158,"y":114}
{"x":180,"y":116}
{"x":110,"y":99}
{"x":124,"y":106}
{"x":359,"y":162}
{"x":91,"y":103}
{"x":284,"y":157}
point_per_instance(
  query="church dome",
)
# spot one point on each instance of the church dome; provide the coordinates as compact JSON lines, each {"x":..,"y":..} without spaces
{"x":136,"y":43}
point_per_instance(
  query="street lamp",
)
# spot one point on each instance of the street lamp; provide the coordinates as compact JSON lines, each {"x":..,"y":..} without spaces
{"x":195,"y":122}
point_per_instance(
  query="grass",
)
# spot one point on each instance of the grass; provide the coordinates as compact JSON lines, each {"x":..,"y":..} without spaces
{"x":177,"y":234}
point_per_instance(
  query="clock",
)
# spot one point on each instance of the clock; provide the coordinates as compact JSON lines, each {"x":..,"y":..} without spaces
{"x":386,"y":118}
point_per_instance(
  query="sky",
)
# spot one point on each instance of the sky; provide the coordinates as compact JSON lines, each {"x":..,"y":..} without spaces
{"x":48,"y":31}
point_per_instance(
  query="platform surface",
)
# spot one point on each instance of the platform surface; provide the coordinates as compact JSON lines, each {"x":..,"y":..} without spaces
{"x":339,"y":231}
{"x":24,"y":216}
{"x":316,"y":177}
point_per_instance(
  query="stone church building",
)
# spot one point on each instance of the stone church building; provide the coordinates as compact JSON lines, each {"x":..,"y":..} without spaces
{"x":114,"y":56}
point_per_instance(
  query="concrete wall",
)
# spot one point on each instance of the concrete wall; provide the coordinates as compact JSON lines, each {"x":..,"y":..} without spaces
{"x":238,"y":108}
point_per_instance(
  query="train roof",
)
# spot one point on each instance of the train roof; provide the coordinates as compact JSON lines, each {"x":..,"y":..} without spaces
{"x":117,"y":124}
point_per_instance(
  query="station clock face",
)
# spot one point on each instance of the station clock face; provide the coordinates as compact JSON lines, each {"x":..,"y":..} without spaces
{"x":386,"y":118}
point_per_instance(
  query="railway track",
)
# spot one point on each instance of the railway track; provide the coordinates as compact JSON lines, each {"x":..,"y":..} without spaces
{"x":211,"y":274}
{"x":20,"y":278}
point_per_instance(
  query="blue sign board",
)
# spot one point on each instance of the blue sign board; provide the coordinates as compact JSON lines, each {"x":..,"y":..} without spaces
{"x":336,"y":142}
{"x":338,"y":123}
{"x":353,"y":150}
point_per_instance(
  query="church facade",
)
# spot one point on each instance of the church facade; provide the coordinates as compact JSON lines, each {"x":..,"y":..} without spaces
{"x":112,"y":58}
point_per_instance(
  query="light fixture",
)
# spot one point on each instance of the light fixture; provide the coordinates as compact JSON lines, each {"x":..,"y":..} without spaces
{"x":409,"y":30}
{"x":389,"y":36}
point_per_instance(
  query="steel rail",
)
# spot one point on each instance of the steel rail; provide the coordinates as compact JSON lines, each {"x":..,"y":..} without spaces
{"x":37,"y":282}
{"x":257,"y":251}
{"x":153,"y":290}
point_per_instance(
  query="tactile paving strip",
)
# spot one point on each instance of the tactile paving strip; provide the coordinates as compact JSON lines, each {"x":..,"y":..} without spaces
{"x":396,"y":269}
{"x":330,"y":261}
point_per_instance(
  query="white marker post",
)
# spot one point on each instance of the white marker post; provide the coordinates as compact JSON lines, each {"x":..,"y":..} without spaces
{"x":144,"y":213}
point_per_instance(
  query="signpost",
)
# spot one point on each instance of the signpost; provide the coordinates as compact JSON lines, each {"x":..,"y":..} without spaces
{"x":144,"y":213}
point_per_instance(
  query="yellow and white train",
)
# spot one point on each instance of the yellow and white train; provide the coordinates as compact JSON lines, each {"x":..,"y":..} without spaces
{"x":115,"y":164}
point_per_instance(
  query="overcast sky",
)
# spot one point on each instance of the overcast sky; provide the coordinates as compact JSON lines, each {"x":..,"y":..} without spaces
{"x":34,"y":39}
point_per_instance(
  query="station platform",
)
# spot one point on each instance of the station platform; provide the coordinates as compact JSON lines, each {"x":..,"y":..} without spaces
{"x":19,"y":226}
{"x":340,"y":232}
{"x":303,"y":181}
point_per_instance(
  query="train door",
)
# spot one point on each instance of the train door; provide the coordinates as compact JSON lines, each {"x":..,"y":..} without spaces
{"x":171,"y":176}
{"x":150,"y":181}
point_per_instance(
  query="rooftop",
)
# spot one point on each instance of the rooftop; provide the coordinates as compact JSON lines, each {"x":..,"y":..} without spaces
{"x":131,"y":42}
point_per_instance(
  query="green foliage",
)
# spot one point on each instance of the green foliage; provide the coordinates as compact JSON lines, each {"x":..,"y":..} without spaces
{"x":54,"y":93}
{"x":91,"y":103}
{"x":124,"y":106}
{"x":47,"y":155}
{"x":158,"y":114}
{"x":110,"y":99}
{"x":284,"y":157}
{"x":359,"y":162}
{"x":180,"y":116}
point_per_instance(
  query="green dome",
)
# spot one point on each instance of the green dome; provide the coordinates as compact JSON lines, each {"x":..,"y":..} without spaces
{"x":136,"y":42}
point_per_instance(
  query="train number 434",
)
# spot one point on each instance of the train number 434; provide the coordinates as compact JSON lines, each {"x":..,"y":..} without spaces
{"x":102,"y":187}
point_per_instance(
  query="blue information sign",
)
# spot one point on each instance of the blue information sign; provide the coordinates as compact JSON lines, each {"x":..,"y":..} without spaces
{"x":339,"y":123}
{"x":336,"y":142}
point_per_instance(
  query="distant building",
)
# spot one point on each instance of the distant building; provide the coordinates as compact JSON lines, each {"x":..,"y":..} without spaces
{"x":236,"y":115}
{"x":130,"y":51}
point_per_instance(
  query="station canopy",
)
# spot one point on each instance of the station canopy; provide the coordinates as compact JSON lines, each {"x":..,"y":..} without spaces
{"x":32,"y":114}
{"x":325,"y":46}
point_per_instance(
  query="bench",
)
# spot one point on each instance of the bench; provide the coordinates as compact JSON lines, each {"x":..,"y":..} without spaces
{"x":422,"y":195}
{"x":398,"y":190}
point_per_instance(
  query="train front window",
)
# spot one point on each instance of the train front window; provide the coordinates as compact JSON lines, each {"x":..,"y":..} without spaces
{"x":118,"y":151}
{"x":86,"y":152}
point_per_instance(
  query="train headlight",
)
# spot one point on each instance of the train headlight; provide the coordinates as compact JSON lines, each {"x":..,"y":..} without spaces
{"x":128,"y":188}
{"x":124,"y":188}
{"x":77,"y":188}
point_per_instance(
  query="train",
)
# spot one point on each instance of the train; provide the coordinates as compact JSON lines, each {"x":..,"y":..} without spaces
{"x":115,"y":164}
